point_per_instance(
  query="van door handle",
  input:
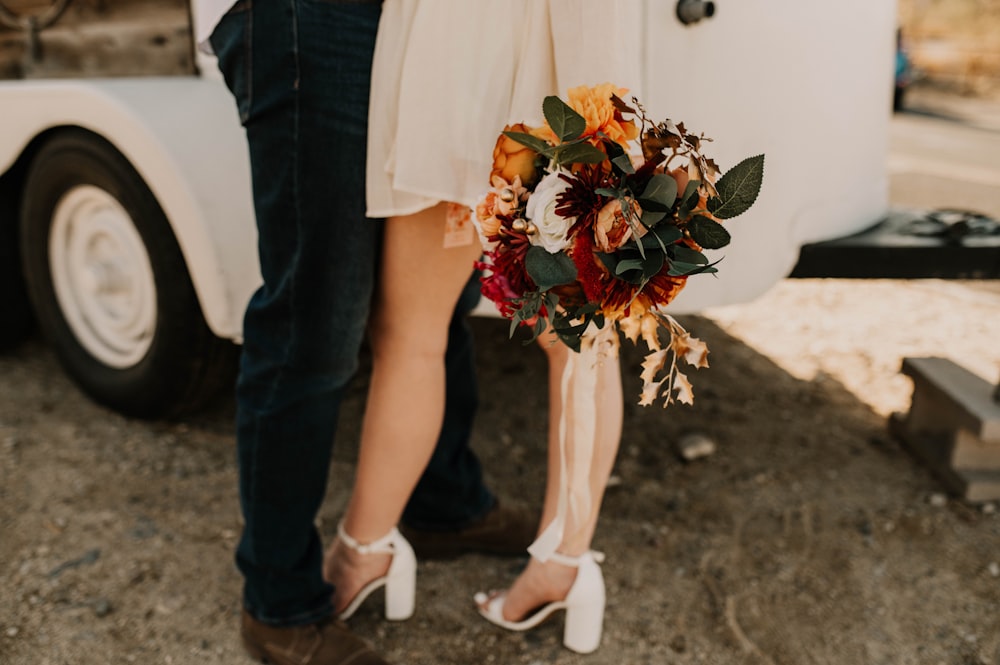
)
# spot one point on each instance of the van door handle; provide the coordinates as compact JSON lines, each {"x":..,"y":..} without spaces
{"x":692,"y":11}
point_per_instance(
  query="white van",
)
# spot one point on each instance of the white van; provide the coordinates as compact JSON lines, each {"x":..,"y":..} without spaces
{"x":126,"y":220}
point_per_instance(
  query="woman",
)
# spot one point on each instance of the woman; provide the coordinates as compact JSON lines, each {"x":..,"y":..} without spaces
{"x":447,"y":77}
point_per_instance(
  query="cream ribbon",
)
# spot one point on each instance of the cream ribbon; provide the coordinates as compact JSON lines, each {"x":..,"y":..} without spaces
{"x":580,"y":374}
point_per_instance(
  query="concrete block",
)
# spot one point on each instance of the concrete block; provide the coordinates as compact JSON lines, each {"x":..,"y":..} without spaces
{"x":953,"y":427}
{"x":937,"y":453}
{"x":948,"y":397}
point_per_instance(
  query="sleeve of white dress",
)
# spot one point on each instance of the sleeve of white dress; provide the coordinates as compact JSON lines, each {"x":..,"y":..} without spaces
{"x":597,"y":41}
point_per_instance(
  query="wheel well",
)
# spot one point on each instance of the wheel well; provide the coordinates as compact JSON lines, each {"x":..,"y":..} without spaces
{"x":12,"y":181}
{"x":199,"y":362}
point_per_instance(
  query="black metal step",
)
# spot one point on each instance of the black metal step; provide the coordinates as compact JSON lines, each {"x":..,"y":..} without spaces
{"x":943,"y":244}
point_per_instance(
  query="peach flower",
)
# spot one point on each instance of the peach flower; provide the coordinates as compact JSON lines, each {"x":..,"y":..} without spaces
{"x":512,"y":159}
{"x":611,"y":229}
{"x":596,"y":107}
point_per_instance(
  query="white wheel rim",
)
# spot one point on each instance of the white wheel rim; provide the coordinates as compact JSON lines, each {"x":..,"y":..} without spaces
{"x":102,"y":276}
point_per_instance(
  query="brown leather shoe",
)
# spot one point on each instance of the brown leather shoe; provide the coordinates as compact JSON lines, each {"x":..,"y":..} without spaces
{"x":507,"y":530}
{"x":328,"y":642}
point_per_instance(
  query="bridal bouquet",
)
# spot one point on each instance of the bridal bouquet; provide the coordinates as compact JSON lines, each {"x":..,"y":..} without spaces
{"x":598,"y":218}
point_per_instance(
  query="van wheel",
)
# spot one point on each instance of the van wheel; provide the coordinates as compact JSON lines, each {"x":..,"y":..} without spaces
{"x":109,"y":284}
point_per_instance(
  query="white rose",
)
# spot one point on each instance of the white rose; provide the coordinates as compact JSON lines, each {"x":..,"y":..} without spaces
{"x":541,"y":211}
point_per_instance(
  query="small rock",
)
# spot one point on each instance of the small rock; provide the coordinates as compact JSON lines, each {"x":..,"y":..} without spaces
{"x":678,"y":644}
{"x":144,"y":528}
{"x":994,"y":569}
{"x":102,"y":608}
{"x":695,"y":446}
{"x":988,"y":508}
{"x":938,"y":500}
{"x":12,"y":631}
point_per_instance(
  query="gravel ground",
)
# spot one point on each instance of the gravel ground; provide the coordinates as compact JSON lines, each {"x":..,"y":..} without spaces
{"x":810,"y":536}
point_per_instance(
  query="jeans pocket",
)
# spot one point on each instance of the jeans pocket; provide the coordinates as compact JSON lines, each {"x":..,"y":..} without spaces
{"x":231,"y":42}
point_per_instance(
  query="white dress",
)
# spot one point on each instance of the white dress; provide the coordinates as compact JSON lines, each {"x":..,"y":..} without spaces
{"x":448,"y":75}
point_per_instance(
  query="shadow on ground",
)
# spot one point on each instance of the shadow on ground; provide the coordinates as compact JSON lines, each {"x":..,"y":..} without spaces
{"x":807,"y":538}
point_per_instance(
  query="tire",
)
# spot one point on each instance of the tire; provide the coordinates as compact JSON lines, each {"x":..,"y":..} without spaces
{"x":17,"y":320}
{"x":109,"y":285}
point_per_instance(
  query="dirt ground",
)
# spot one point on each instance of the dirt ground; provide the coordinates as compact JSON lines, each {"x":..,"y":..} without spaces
{"x":809,"y":537}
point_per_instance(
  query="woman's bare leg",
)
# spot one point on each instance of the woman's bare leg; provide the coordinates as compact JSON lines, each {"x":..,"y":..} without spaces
{"x":545,"y":582}
{"x":419,"y":285}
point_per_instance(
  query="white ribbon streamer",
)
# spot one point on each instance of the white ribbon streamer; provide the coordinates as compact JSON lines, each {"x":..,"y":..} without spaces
{"x":574,"y":499}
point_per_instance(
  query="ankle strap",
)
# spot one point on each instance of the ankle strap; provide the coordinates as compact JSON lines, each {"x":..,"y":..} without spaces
{"x":574,"y":561}
{"x":385,"y":544}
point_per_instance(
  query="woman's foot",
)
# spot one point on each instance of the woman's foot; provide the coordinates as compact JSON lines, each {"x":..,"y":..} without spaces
{"x":573,"y":584}
{"x":538,"y":584}
{"x":350,"y":571}
{"x":358,"y":569}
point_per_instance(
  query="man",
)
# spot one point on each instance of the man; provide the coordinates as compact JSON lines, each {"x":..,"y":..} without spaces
{"x":299,"y":71}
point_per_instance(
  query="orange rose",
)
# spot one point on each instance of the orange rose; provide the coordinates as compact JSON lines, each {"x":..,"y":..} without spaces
{"x":681,"y":177}
{"x":612,"y":230}
{"x":511,"y":158}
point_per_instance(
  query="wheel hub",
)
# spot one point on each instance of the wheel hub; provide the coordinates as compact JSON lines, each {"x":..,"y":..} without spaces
{"x":102,"y":276}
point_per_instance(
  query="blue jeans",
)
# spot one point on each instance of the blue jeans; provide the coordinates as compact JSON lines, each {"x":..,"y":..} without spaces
{"x":300,"y":73}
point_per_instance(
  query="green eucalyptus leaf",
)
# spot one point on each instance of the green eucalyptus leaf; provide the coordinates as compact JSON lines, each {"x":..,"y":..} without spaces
{"x":738,"y":188}
{"x":688,"y":255}
{"x":662,"y":237}
{"x":659,"y":194}
{"x":564,"y":121}
{"x":689,"y":199}
{"x":609,"y":192}
{"x":579,"y":153}
{"x":619,"y":158}
{"x":515,"y":321}
{"x":688,"y":270}
{"x":610,"y":261}
{"x":628,"y":264}
{"x":652,"y":264}
{"x":572,"y":340}
{"x":651,"y":218}
{"x":585,"y":311}
{"x":679,"y":268}
{"x":548,"y":270}
{"x":533,"y":142}
{"x":623,"y":163}
{"x":538,"y":328}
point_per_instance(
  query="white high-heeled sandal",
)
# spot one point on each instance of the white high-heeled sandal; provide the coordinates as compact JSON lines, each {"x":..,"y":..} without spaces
{"x":584,"y":605}
{"x":400,"y":581}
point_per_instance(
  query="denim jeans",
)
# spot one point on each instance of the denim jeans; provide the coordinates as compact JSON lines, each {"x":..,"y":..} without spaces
{"x":300,"y":72}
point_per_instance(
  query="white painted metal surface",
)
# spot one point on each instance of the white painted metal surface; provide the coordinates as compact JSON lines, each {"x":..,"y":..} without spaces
{"x":183,"y":137}
{"x":807,"y":83}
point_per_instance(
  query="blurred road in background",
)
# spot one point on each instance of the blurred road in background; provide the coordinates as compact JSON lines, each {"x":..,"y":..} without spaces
{"x":945,"y":153}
